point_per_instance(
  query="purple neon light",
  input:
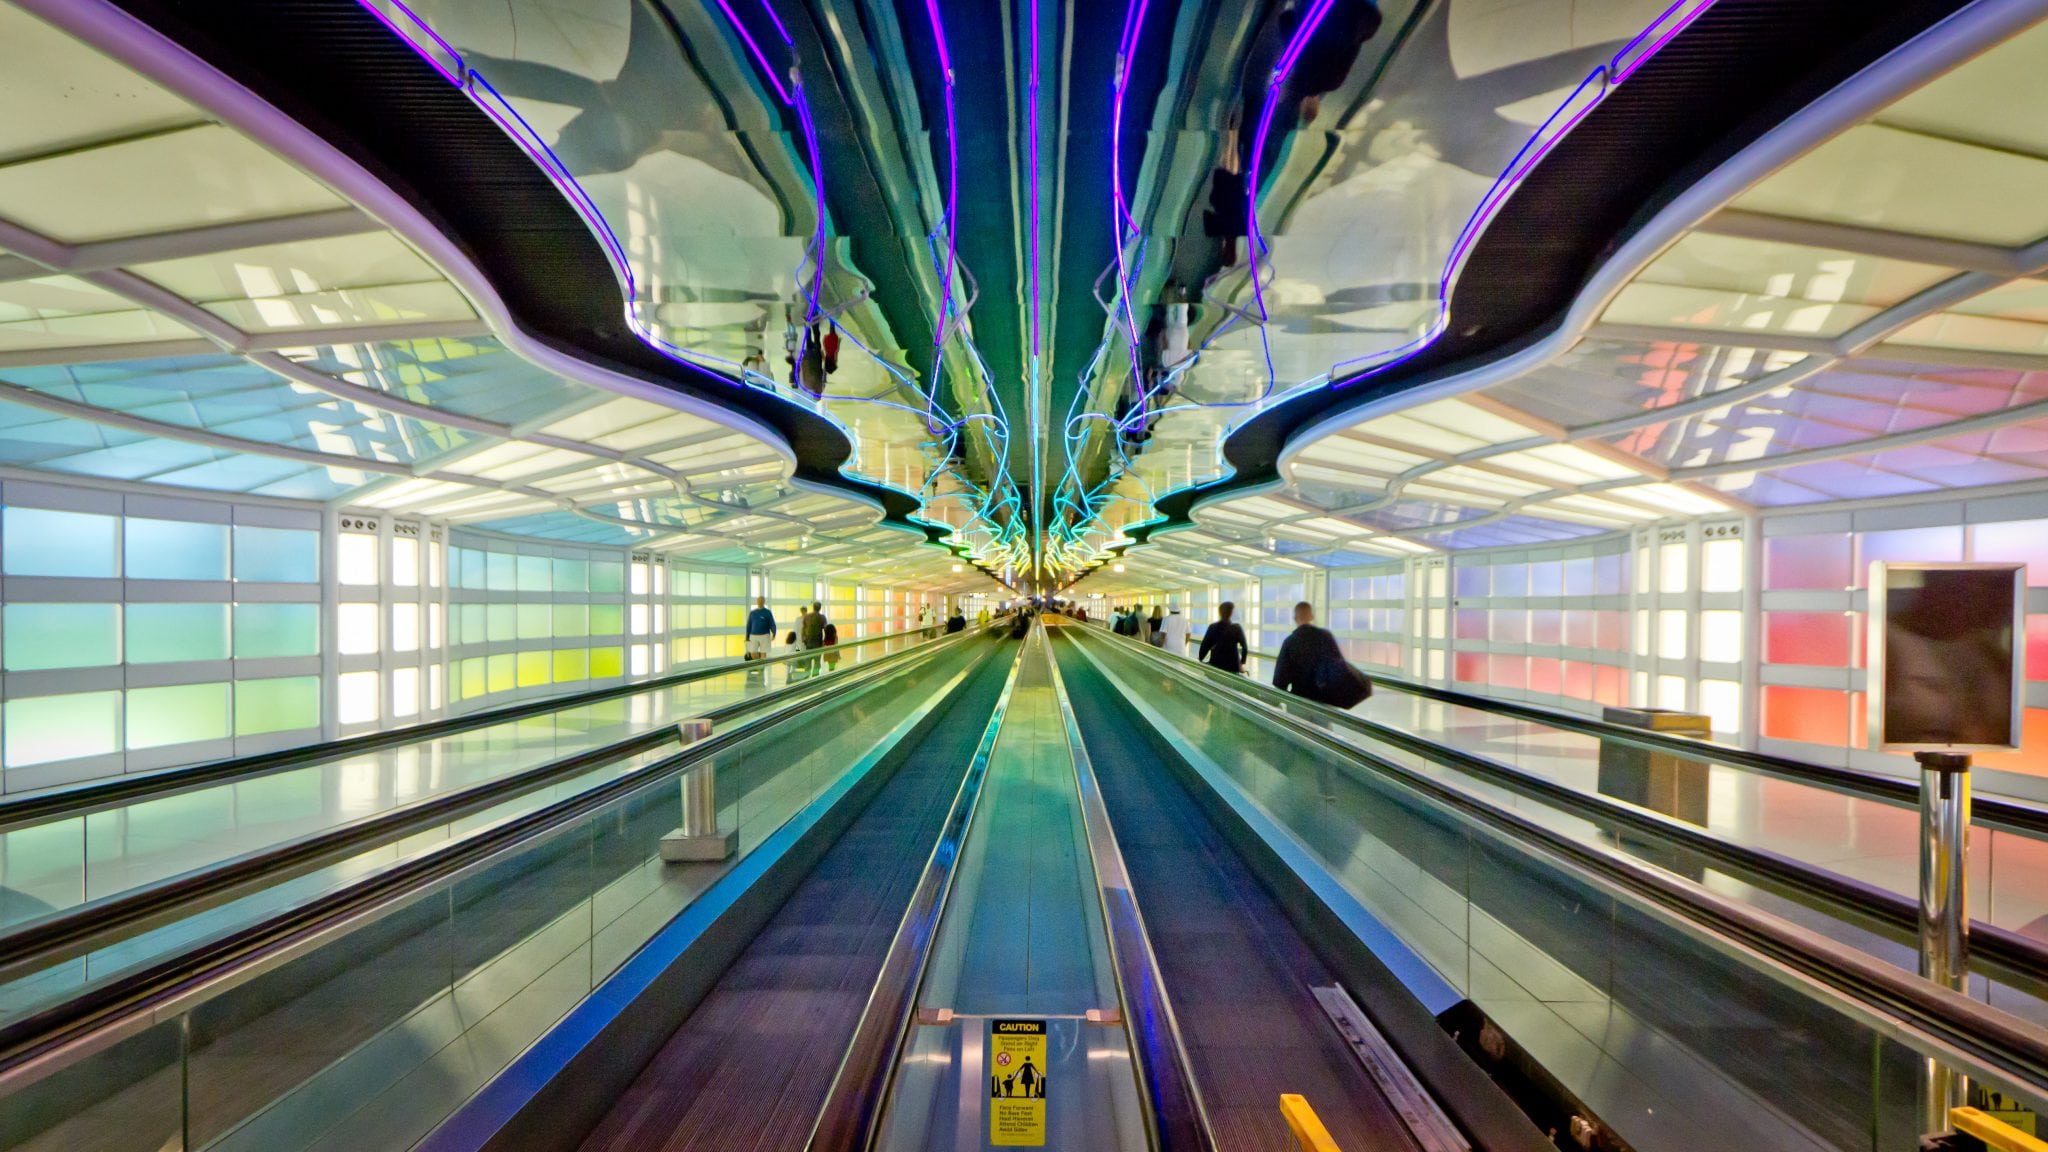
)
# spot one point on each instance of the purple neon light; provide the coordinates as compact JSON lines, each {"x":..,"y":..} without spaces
{"x":931,"y":8}
{"x":748,"y":38}
{"x":454,"y":77}
{"x":1120,"y":210}
{"x":1608,"y":77}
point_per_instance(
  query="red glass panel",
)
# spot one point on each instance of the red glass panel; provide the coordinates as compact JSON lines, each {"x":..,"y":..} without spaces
{"x":1469,"y":667}
{"x":1579,"y":628}
{"x":1546,"y":626}
{"x":1545,"y":675}
{"x":1510,"y":671}
{"x":2032,"y":758}
{"x":1807,"y":562}
{"x":1578,"y":680}
{"x":1812,"y":715}
{"x":1470,"y":624}
{"x":1612,"y":631}
{"x":1820,"y":639}
{"x":1510,"y":626}
{"x":1610,"y":685}
{"x":2037,"y":649}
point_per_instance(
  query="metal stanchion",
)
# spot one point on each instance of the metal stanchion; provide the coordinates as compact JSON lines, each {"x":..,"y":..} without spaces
{"x":698,"y":840}
{"x":1944,"y":907}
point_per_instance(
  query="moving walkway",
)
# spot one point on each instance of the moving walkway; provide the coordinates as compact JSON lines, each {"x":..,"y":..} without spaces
{"x":1178,"y":900}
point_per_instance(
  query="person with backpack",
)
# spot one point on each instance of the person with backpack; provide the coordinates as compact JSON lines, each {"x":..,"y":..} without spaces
{"x":1223,"y":643}
{"x":1312,"y":666}
{"x":811,"y":631}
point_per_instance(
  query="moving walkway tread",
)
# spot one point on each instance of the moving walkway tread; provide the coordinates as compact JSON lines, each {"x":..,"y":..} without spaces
{"x":1238,"y":972}
{"x":751,"y":1066}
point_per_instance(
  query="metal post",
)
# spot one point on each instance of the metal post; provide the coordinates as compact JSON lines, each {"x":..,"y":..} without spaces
{"x":698,"y":840}
{"x":1944,"y":906}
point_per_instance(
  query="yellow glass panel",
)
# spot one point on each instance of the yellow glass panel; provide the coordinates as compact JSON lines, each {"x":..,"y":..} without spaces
{"x":571,"y":664}
{"x":533,"y":668}
{"x":607,"y":662}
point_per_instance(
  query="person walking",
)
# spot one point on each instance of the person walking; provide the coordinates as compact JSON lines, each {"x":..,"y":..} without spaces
{"x":1312,"y":666}
{"x":760,"y":629}
{"x":1174,"y":630}
{"x":957,"y":622}
{"x":1155,"y":628}
{"x":1223,"y":643}
{"x":925,"y":619}
{"x":982,"y":618}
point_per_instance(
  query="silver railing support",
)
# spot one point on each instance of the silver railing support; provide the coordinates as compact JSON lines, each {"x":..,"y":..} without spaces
{"x":698,"y":840}
{"x":1944,"y":908}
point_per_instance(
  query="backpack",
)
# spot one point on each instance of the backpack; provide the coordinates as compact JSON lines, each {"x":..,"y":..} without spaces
{"x":1338,"y":684}
{"x":831,"y":634}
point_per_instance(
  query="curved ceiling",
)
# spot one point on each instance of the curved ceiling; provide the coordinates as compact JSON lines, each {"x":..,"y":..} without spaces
{"x":1239,"y":282}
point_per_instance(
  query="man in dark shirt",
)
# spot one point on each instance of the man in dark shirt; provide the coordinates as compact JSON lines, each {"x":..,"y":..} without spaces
{"x":957,"y":622}
{"x":1305,"y":649}
{"x":1223,"y":644}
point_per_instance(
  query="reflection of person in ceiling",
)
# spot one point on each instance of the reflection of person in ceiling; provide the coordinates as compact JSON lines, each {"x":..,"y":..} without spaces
{"x":657,"y":102}
{"x":1948,"y":659}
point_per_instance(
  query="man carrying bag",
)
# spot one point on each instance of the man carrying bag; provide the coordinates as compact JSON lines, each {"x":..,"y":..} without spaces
{"x":1311,"y":665}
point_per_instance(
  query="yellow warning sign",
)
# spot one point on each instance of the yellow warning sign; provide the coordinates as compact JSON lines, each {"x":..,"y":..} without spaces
{"x":1016,"y":1083}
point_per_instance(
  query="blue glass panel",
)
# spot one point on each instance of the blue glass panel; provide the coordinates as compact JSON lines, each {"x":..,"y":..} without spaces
{"x":277,"y":555}
{"x":44,"y":543}
{"x":176,"y":550}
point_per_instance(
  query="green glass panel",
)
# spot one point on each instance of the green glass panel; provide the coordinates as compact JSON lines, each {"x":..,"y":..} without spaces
{"x":276,"y":555}
{"x":533,"y":668}
{"x":38,"y":542}
{"x":607,"y":662}
{"x":571,"y":575}
{"x":181,"y":714}
{"x":62,"y":636}
{"x":504,"y":622}
{"x":472,"y":572}
{"x":572,"y":620}
{"x":501,"y":573}
{"x":39,"y":729}
{"x":533,"y":573}
{"x":287,"y":704}
{"x":268,"y":630}
{"x":536,"y":621}
{"x":607,"y":577}
{"x":502,"y":673}
{"x":175,"y":550}
{"x":571,"y":664}
{"x":166,"y":633}
{"x":607,"y":619}
{"x":475,"y":629}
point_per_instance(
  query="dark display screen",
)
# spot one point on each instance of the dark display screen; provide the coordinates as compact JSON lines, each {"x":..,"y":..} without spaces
{"x":1948,"y":657}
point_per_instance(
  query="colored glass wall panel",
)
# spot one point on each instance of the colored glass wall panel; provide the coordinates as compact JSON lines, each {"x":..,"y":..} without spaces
{"x":38,"y":542}
{"x":41,"y":636}
{"x":1816,"y":639}
{"x":285,"y":704}
{"x":1907,"y":545}
{"x":181,"y":714}
{"x":2014,"y":542}
{"x":1808,"y":562}
{"x":276,"y":555}
{"x":1811,"y":715}
{"x":263,"y":631}
{"x":175,"y":550}
{"x":40,"y":729}
{"x":168,"y":633}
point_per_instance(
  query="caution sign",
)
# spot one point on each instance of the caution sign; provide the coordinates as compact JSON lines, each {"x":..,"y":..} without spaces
{"x":1016,"y":1083}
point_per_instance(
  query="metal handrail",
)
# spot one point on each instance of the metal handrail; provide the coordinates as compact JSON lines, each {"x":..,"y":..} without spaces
{"x":2016,"y":954}
{"x":57,"y":1037}
{"x":85,"y":927}
{"x":1995,"y":811}
{"x":95,"y":795}
{"x":851,"y":1116}
{"x":1936,"y":1020}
